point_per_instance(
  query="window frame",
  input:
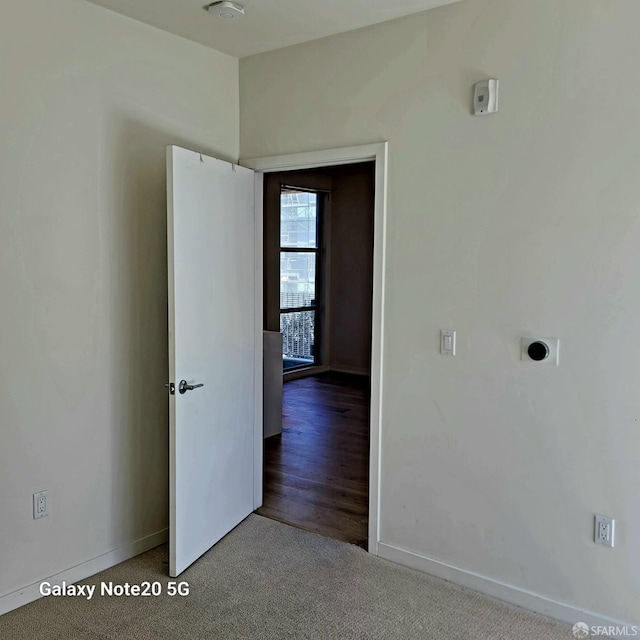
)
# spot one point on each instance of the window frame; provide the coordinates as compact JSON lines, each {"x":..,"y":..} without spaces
{"x":317,"y":251}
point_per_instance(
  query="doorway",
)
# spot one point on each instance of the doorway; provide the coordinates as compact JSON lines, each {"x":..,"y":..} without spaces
{"x":320,"y":223}
{"x":377,"y":152}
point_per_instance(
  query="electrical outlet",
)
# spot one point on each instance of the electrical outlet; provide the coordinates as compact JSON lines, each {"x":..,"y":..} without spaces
{"x":604,"y":530}
{"x":40,"y":504}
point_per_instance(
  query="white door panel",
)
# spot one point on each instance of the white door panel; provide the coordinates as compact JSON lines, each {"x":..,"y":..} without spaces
{"x":211,"y":239}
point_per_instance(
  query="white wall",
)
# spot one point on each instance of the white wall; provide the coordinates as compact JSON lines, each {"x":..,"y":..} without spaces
{"x":89,"y":101}
{"x":524,"y":222}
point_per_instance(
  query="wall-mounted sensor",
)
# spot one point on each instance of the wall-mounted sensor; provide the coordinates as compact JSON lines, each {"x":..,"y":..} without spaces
{"x":540,"y":350}
{"x":485,"y":97}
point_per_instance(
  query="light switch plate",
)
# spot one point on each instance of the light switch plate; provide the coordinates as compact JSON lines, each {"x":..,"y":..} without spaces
{"x":448,"y":343}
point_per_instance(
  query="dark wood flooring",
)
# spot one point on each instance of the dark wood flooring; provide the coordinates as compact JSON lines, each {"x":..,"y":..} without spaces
{"x":316,"y":474}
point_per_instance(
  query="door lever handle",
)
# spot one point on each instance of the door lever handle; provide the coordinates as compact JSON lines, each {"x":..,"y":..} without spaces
{"x":183,"y":387}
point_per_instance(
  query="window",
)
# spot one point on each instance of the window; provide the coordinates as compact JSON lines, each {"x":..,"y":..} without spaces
{"x":299,"y":268}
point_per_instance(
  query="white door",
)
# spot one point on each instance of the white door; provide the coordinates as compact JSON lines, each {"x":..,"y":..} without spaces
{"x":212,"y":348}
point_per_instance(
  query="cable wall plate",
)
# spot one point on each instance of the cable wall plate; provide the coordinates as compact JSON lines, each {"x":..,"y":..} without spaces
{"x":532,"y":351}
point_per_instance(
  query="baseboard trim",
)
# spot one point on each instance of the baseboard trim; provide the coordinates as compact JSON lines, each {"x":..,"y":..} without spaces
{"x":353,"y":371}
{"x":304,"y":373}
{"x":89,"y":568}
{"x":508,"y":593}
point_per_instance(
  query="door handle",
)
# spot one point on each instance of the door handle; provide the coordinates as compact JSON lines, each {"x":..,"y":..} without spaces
{"x":183,"y":387}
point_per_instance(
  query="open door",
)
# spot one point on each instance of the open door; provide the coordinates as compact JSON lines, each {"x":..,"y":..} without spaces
{"x":212,"y":346}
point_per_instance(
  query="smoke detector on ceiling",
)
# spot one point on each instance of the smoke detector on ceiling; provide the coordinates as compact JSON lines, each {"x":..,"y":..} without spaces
{"x":226,"y":9}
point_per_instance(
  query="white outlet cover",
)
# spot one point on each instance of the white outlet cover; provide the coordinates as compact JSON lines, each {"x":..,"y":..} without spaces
{"x":40,"y":499}
{"x":553,"y":344}
{"x":609,"y":524}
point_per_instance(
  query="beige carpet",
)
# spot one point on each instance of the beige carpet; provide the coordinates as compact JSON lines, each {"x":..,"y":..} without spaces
{"x":266,"y":580}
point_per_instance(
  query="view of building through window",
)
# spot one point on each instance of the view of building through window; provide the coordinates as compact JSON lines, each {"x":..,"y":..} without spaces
{"x":298,"y":264}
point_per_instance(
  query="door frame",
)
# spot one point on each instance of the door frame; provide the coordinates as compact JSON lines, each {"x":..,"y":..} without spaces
{"x":377,"y":152}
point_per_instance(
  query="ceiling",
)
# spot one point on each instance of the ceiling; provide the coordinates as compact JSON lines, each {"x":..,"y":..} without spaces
{"x":268,"y":24}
